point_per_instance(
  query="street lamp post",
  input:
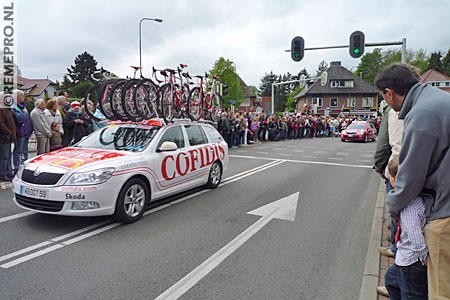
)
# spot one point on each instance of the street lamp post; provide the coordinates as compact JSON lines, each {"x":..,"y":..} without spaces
{"x":140,"y":40}
{"x":235,"y":87}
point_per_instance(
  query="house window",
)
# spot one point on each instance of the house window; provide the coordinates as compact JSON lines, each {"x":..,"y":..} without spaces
{"x":367,"y":101}
{"x":447,"y":84}
{"x":349,"y":83}
{"x":351,"y":102}
{"x":333,"y":102}
{"x":317,"y":101}
{"x":334,"y":84}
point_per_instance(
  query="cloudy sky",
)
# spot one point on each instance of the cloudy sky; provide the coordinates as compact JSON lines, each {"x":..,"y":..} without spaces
{"x":253,"y":34}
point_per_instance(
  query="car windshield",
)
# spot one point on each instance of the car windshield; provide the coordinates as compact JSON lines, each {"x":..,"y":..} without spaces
{"x":127,"y":138}
{"x":356,"y":126}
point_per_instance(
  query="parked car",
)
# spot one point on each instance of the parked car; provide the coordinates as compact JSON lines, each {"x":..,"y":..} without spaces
{"x":119,"y":169}
{"x":359,"y":131}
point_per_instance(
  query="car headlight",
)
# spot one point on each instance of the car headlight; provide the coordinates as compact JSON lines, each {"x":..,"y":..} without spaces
{"x":91,"y":177}
{"x":20,"y":171}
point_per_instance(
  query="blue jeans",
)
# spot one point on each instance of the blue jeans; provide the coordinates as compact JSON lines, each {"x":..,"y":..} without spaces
{"x":393,"y":226}
{"x":407,"y":282}
{"x":5,"y":160}
{"x":20,"y":153}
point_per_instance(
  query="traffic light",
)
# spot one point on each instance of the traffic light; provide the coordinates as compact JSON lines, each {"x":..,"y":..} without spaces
{"x":297,"y":48}
{"x":357,"y":41}
{"x":223,"y":89}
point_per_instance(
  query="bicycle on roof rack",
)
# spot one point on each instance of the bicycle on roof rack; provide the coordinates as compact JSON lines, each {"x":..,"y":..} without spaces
{"x":206,"y":104}
{"x":93,"y":93}
{"x":174,"y":93}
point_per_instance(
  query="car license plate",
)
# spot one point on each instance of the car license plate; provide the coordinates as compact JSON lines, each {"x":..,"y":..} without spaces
{"x":350,"y":135}
{"x":33,"y":192}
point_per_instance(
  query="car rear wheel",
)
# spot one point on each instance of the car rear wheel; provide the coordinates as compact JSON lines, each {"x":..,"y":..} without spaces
{"x":132,"y":201}
{"x":342,"y":140}
{"x":215,"y":176}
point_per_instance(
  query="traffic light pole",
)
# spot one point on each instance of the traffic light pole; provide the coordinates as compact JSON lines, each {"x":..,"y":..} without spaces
{"x":273,"y":91}
{"x":403,"y":43}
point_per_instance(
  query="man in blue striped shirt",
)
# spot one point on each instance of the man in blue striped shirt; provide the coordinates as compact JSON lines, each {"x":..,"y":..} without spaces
{"x":407,"y":278}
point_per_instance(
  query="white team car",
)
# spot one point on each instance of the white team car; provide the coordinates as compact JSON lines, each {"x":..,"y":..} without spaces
{"x":119,"y":169}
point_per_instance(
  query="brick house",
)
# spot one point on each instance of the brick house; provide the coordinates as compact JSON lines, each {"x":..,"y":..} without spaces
{"x":344,"y":92}
{"x":37,"y":88}
{"x":436,"y":79}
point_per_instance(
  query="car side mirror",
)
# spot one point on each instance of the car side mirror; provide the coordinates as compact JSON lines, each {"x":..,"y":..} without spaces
{"x":167,"y":146}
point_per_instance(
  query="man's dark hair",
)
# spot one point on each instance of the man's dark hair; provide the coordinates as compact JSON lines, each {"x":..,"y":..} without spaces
{"x":399,"y":77}
{"x":61,"y":92}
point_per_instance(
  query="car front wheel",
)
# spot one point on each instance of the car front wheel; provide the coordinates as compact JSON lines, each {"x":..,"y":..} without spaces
{"x":215,"y":176}
{"x":132,"y":201}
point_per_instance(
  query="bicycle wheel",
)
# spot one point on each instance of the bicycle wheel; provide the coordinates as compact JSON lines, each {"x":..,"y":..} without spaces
{"x":166,"y":99}
{"x":146,"y":99}
{"x":104,"y":93}
{"x":195,"y":104}
{"x":91,"y":94}
{"x":185,"y":90}
{"x":127,"y":101}
{"x":115,"y":100}
{"x":215,"y":109}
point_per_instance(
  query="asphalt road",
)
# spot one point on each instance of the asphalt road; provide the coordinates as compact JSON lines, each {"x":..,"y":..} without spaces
{"x":319,"y":255}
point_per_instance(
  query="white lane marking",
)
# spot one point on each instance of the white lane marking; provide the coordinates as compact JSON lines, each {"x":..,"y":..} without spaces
{"x":16,"y":216}
{"x":342,"y":153}
{"x":278,"y":149}
{"x":366,"y":155}
{"x":285,"y":154}
{"x":51,"y":241}
{"x":335,"y":158}
{"x":362,"y":160}
{"x":263,"y":152}
{"x":307,"y":162}
{"x":58,"y":246}
{"x":298,"y":151}
{"x":319,"y":152}
{"x":62,"y":244}
{"x":309,"y":156}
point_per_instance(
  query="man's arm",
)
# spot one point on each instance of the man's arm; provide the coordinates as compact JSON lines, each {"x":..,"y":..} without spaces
{"x":414,"y":161}
{"x":383,"y":148}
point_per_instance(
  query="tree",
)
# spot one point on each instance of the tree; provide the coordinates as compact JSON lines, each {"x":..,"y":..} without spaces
{"x":291,"y":103}
{"x":225,"y":69}
{"x":435,"y":62}
{"x":446,"y":63}
{"x":323,"y":66}
{"x":266,"y":84}
{"x":85,"y":65}
{"x":370,"y":64}
{"x":80,"y":89}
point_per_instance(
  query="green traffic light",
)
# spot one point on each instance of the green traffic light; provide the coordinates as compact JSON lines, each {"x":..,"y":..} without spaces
{"x":356,"y":51}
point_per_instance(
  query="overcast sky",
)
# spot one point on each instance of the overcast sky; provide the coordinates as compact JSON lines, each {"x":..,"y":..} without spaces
{"x":253,"y":34}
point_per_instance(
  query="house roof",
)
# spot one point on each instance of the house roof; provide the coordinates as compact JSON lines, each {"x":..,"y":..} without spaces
{"x":246,"y":90}
{"x":432,"y":75}
{"x":33,"y":87}
{"x":337,"y":72}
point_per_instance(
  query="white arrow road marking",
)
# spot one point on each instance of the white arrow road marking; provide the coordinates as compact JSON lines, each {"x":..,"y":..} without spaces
{"x":284,"y":209}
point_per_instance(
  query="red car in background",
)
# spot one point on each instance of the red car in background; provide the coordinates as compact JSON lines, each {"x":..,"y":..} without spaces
{"x":359,"y":131}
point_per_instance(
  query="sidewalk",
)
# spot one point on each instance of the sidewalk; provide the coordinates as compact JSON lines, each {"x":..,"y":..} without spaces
{"x":376,"y":265}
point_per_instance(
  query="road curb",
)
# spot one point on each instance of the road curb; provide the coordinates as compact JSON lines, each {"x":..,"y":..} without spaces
{"x":372,"y":268}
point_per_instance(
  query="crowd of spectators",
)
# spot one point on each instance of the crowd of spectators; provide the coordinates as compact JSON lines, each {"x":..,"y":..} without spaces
{"x":246,"y":128}
{"x":55,"y":124}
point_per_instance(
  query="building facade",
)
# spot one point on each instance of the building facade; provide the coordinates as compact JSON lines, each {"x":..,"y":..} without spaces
{"x":344,"y":93}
